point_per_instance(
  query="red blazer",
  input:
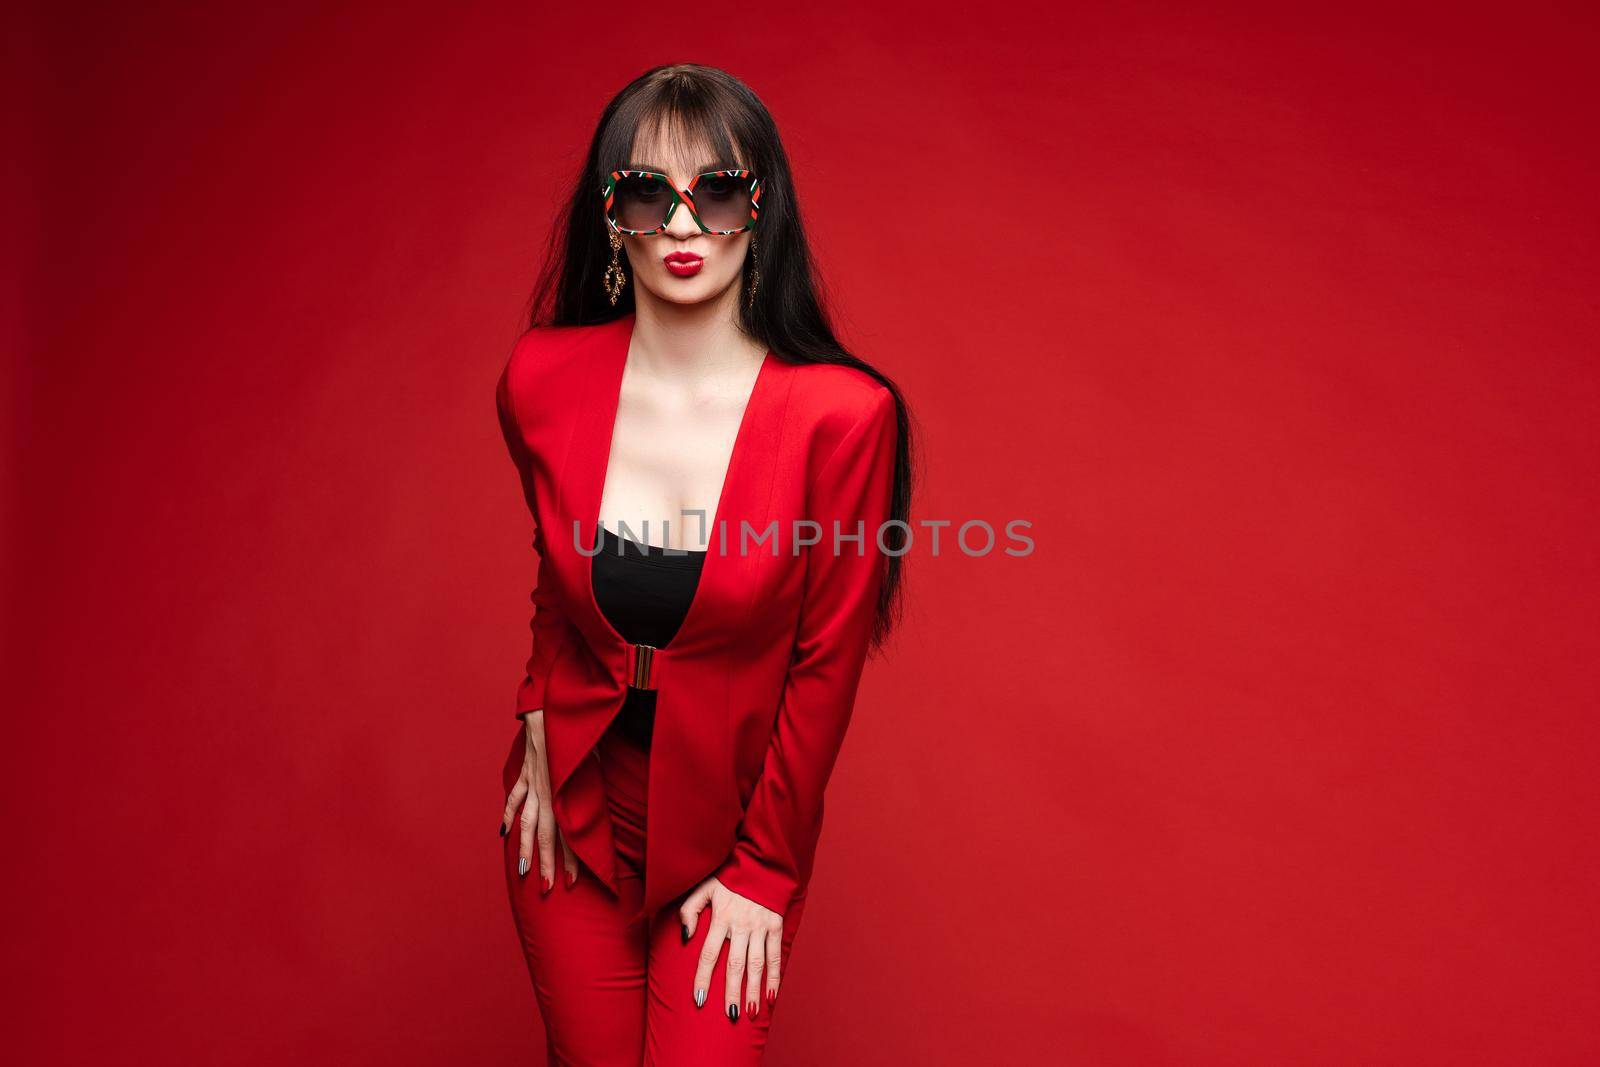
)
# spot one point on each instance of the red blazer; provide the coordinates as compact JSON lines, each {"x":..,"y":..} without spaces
{"x":756,"y":689}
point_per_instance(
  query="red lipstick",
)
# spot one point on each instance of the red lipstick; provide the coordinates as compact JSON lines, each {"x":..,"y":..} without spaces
{"x":683,"y":264}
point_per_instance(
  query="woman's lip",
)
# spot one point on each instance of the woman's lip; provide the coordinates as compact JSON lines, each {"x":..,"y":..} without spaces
{"x":682,"y":264}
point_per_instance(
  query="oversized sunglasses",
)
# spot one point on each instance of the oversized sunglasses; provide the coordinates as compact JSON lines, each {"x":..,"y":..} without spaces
{"x":723,"y":202}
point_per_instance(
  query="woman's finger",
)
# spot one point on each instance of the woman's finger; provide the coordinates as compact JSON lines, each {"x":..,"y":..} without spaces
{"x":526,"y":822}
{"x":538,"y":815}
{"x":568,"y":860}
{"x":513,"y":802}
{"x":755,"y":966}
{"x":774,"y":958}
{"x":525,"y":800}
{"x":545,"y":833}
{"x":693,"y":905}
{"x":716,"y":934}
{"x":738,"y":949}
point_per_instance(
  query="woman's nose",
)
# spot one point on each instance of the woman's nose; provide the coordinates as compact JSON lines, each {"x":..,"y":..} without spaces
{"x":682,"y":224}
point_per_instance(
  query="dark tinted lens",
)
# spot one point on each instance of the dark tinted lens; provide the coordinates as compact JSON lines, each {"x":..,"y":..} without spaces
{"x":723,"y":202}
{"x":641,"y":202}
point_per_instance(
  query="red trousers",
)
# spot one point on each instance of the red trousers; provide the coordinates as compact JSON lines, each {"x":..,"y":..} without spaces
{"x":615,"y":994}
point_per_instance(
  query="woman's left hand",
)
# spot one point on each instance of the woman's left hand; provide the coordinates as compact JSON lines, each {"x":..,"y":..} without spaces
{"x":754,"y":955}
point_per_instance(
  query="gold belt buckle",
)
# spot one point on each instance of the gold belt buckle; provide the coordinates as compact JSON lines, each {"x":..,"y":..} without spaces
{"x":644,"y":662}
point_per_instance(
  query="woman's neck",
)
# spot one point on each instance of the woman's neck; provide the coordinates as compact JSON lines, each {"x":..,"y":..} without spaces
{"x":693,"y":340}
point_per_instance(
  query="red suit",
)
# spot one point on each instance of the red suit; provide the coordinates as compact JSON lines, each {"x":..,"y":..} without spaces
{"x":755,"y":691}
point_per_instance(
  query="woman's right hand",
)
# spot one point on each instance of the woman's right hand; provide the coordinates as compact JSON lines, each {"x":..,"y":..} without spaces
{"x":537,"y":822}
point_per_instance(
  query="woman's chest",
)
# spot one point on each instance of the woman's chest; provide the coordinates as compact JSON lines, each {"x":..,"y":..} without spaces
{"x":667,"y":469}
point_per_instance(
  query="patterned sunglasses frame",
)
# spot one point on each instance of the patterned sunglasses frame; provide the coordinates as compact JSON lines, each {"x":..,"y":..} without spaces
{"x":679,"y":196}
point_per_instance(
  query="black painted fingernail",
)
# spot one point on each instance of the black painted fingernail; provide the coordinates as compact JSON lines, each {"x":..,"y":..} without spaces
{"x":733,"y":1013}
{"x":685,"y":933}
{"x":502,"y":829}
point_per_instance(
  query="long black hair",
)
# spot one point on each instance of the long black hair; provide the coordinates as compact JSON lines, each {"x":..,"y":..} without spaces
{"x":687,"y":101}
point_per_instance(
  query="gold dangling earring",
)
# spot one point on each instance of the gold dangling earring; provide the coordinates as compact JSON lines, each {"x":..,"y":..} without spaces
{"x":755,"y":274}
{"x":615,"y":279}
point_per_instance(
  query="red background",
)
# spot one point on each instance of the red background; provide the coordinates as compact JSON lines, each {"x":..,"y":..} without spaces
{"x":1279,"y":327}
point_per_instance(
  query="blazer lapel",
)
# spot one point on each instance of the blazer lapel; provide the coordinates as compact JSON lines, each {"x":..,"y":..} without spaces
{"x":584,"y":478}
{"x":693,"y":745}
{"x":591,"y":694}
{"x":693,"y":733}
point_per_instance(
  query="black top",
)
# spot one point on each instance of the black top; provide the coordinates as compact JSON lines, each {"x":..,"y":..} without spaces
{"x":645,"y":593}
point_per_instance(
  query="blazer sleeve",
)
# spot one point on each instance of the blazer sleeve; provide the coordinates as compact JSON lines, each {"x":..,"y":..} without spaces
{"x":782,"y":822}
{"x":548,"y":623}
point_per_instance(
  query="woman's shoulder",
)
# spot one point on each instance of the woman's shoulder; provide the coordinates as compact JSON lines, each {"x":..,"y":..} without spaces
{"x":834,"y":397}
{"x":837,"y":390}
{"x":544,"y":348}
{"x":836,"y":403}
{"x":542,"y":364}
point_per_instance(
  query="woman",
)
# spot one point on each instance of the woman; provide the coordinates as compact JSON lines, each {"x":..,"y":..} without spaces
{"x":712,"y":479}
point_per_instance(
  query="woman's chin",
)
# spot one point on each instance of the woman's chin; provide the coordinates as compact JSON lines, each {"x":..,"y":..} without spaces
{"x":684,"y":290}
